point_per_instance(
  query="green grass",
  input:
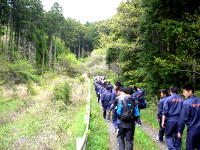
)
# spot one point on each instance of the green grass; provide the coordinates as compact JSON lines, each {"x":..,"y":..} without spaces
{"x":142,"y":141}
{"x":149,"y":115}
{"x":98,"y":138}
{"x":49,"y":123}
{"x":9,"y":105}
{"x":77,"y":127}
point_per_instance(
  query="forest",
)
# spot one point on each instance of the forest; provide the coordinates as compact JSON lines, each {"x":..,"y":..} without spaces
{"x":151,"y":44}
{"x":154,"y":43}
{"x":34,"y":39}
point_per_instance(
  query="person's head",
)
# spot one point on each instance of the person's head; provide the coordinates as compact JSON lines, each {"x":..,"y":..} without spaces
{"x":118,"y":84}
{"x":173,"y":90}
{"x":119,"y":90}
{"x":134,"y":89}
{"x":188,"y":91}
{"x":128,"y":90}
{"x":164,"y":93}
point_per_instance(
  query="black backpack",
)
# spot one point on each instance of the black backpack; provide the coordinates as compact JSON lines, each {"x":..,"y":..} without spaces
{"x":128,"y":111}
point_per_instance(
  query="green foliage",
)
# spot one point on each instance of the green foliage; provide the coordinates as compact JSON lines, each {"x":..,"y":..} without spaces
{"x":70,"y":64}
{"x":62,"y":92}
{"x":41,"y":37}
{"x":98,"y":52}
{"x":98,"y":135}
{"x":21,"y":71}
{"x":154,"y":46}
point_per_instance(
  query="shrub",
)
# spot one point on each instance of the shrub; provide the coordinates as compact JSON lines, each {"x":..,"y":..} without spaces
{"x":62,"y":92}
{"x":19,"y":71}
{"x":70,"y":64}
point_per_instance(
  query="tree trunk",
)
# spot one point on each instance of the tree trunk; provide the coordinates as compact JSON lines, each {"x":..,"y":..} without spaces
{"x":29,"y":51}
{"x":42,"y":61}
{"x":79,"y":48}
{"x":6,"y":41}
{"x":83,"y":50}
{"x":55,"y":53}
{"x":50,"y":52}
{"x":194,"y":70}
{"x":24,"y":52}
{"x":18,"y":41}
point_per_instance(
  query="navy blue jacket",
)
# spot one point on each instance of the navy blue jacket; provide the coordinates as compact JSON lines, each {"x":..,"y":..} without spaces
{"x":190,"y":114}
{"x":106,"y":99}
{"x":160,"y":107}
{"x":172,"y":107}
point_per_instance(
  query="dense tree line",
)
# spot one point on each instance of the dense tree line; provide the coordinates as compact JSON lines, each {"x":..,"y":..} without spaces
{"x":30,"y":34}
{"x":155,"y":43}
{"x":25,"y":27}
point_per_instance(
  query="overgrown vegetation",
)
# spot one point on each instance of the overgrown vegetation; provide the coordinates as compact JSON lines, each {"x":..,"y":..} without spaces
{"x":98,"y":138}
{"x":44,"y":123}
{"x":62,"y":92}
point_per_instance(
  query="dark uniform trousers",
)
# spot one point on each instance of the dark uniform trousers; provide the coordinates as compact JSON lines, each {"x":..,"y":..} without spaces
{"x":172,"y":140}
{"x":193,"y":139}
{"x":127,"y":133}
{"x":161,"y":130}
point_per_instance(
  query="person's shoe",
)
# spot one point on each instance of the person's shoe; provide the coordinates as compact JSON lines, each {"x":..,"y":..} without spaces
{"x":157,"y":139}
{"x":116,"y":132}
{"x":138,"y":124}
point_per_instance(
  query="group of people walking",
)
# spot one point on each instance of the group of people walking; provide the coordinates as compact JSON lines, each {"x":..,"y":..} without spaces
{"x":124,"y":103}
{"x":174,"y":112}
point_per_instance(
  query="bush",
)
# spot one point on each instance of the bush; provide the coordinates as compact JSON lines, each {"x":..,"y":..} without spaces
{"x":70,"y":64}
{"x":19,"y":71}
{"x":62,"y":92}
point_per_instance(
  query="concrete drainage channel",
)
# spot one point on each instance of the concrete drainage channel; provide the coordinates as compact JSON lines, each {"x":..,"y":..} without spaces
{"x":81,"y":141}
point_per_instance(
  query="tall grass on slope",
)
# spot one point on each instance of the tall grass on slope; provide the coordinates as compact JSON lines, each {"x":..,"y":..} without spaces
{"x":48,"y":124}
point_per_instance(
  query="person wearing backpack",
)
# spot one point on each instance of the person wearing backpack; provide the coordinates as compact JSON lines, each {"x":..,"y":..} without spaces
{"x":128,"y":112}
{"x":115,"y":98}
{"x":120,"y":95}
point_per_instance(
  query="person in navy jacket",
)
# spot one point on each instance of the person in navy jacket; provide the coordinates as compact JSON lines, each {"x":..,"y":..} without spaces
{"x":190,"y":116}
{"x":163,"y":94}
{"x":106,"y":102}
{"x":171,"y":114}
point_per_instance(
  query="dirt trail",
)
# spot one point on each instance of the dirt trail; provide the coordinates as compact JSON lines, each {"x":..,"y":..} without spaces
{"x":113,"y":137}
{"x":145,"y":127}
{"x":153,"y":134}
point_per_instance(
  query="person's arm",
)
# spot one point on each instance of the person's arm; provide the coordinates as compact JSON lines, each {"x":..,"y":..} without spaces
{"x":163,"y":121}
{"x":113,"y":105}
{"x":159,"y":112}
{"x":165,"y":112}
{"x":184,"y":116}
